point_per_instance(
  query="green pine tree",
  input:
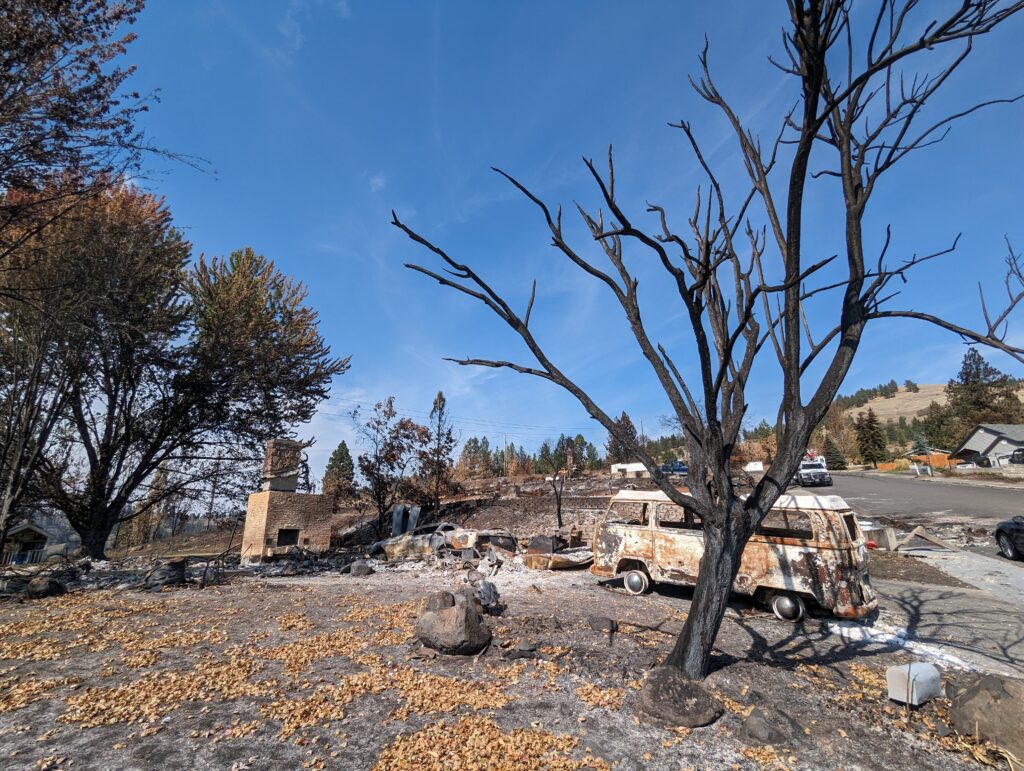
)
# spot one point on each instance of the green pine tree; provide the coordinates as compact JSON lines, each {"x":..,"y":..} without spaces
{"x":339,"y":477}
{"x":980,"y":393}
{"x":871,"y":438}
{"x":833,"y":455}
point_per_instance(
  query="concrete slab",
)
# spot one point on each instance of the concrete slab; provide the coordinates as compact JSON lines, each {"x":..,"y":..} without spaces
{"x":997,"y":575}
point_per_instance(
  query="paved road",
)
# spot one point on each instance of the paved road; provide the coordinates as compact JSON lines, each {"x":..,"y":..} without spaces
{"x":916,"y":502}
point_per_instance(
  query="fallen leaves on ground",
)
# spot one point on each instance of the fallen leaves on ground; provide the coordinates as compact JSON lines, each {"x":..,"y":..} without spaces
{"x":16,"y":693}
{"x":294,"y":621}
{"x":609,"y":698}
{"x":158,"y":693}
{"x":324,"y":705}
{"x":476,"y":742}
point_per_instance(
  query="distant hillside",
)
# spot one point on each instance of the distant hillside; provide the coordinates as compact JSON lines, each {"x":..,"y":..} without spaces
{"x":906,"y":405}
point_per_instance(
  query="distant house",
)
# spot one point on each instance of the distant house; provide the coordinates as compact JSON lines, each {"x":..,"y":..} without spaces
{"x":26,"y":543}
{"x":43,"y":534}
{"x":630,"y":471}
{"x":994,"y":442}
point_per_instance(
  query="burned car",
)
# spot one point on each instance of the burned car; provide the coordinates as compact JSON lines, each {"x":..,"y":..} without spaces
{"x":1010,"y":537}
{"x":422,"y":541}
{"x":441,"y":538}
{"x":808,"y":548}
{"x":482,"y":540}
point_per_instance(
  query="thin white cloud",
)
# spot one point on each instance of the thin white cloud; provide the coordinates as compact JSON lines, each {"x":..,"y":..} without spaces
{"x":378,"y":182}
{"x":344,"y":9}
{"x":290,"y":26}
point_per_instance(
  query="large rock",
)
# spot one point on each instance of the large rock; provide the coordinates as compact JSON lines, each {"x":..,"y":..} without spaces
{"x":669,"y":698}
{"x":440,"y":601}
{"x":760,"y":728}
{"x":170,"y":573}
{"x":458,"y":630}
{"x":361,"y":568}
{"x":992,"y":708}
{"x":40,"y":587}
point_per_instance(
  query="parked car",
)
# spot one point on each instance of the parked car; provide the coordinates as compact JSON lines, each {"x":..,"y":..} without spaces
{"x":675,"y":467}
{"x":1010,"y":537}
{"x":808,"y":548}
{"x":812,"y":473}
{"x":1017,"y":456}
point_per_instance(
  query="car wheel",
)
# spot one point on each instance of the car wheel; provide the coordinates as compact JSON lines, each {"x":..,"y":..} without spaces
{"x":788,"y":607}
{"x":1006,"y":547}
{"x":636,"y":582}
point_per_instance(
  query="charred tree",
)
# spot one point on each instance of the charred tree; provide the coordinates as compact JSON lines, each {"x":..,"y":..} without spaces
{"x":743,"y":271}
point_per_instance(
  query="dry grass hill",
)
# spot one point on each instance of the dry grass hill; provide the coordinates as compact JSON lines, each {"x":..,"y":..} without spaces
{"x":905,"y":404}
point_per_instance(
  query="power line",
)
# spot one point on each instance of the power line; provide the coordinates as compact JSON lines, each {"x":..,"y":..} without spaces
{"x":495,"y":424}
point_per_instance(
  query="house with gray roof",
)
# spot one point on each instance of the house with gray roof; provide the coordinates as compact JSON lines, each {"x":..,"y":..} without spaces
{"x":992,"y":441}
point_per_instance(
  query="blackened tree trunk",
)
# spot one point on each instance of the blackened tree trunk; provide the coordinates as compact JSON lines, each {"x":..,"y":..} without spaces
{"x":95,"y":531}
{"x":718,"y":566}
{"x":744,"y":280}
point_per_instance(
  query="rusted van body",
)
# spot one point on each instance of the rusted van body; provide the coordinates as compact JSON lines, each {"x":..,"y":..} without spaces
{"x":809,"y":547}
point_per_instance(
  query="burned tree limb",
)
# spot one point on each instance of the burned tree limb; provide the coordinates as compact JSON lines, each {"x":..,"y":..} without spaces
{"x":734,"y":296}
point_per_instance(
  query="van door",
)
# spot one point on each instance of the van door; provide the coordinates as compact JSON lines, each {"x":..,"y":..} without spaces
{"x":678,"y":544}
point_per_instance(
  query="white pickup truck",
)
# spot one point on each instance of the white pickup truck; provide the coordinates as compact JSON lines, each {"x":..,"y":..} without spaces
{"x":812,"y":473}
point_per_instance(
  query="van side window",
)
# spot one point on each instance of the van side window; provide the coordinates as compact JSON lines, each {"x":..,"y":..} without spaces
{"x":677,"y":518}
{"x":631,"y":512}
{"x":786,"y":524}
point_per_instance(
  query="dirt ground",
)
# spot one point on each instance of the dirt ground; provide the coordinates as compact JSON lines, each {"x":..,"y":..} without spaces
{"x":322,"y":672}
{"x":901,"y":567}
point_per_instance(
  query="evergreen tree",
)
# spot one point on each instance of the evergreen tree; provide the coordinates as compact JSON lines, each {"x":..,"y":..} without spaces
{"x":593,"y":459}
{"x":545,"y":462}
{"x":623,"y":450}
{"x":870,"y":438}
{"x":920,"y":446}
{"x":339,"y":477}
{"x":833,"y":455}
{"x":760,"y":432}
{"x":980,"y":393}
{"x":939,"y":427}
{"x":911,"y":386}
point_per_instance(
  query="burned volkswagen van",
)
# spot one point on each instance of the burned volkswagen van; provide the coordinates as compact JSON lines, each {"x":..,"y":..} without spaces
{"x":808,"y":548}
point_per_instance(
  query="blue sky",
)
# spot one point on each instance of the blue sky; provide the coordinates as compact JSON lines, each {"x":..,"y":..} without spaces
{"x":318,"y":117}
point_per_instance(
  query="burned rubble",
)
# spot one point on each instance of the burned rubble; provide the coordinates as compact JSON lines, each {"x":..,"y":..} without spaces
{"x":357,"y":659}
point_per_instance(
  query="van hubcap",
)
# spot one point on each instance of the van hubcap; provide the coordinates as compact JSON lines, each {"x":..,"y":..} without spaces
{"x":788,"y":607}
{"x":635,"y":582}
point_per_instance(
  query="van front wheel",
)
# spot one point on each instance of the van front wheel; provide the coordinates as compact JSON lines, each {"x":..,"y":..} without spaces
{"x":788,"y":607}
{"x":636,"y":582}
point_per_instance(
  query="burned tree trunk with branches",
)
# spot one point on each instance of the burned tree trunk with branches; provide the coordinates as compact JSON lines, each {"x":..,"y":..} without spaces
{"x":742,"y":272}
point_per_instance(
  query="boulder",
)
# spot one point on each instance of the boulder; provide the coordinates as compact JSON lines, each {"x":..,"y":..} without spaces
{"x":40,"y":587}
{"x":440,"y":601}
{"x":760,"y":728}
{"x":991,"y":708}
{"x":170,"y":573}
{"x":669,"y":698}
{"x":458,"y":630}
{"x":361,"y":568}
